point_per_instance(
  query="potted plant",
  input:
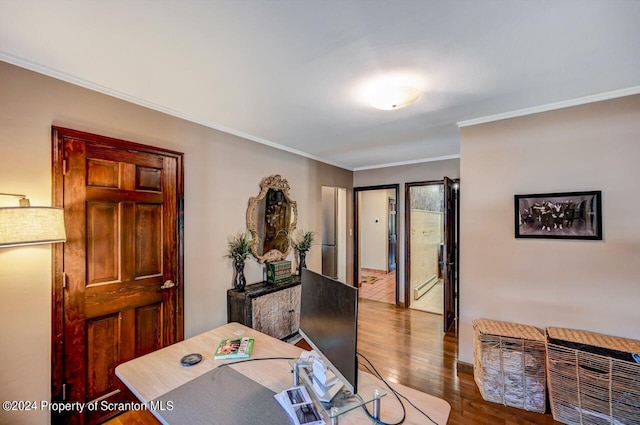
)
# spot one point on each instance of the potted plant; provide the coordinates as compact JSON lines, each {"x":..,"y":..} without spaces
{"x":302,"y":243}
{"x":238,"y":249}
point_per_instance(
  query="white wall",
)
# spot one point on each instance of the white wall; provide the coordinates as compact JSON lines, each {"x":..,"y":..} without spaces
{"x":374,"y":230}
{"x":591,"y":285}
{"x":426,"y":171}
{"x":221,"y":173}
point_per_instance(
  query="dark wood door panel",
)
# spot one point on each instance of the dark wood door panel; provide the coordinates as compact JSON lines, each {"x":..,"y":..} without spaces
{"x":102,"y":225}
{"x":148,"y":179}
{"x":148,"y":240}
{"x":149,"y":336}
{"x":102,"y":173}
{"x":103,"y":354}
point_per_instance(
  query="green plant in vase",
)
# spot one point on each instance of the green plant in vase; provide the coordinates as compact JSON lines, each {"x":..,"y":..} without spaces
{"x":302,"y":242}
{"x":238,"y":249}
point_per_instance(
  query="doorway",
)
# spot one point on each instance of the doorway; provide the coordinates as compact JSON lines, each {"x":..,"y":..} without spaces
{"x":431,"y":234}
{"x":376,"y":250}
{"x":118,"y":280}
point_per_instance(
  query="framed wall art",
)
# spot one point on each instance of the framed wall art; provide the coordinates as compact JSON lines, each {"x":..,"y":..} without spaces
{"x":568,"y":215}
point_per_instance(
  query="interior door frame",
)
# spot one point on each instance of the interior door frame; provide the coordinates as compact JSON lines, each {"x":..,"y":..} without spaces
{"x":356,"y":236}
{"x":407,"y":235}
{"x":57,"y":276}
{"x":393,"y":202}
{"x":407,"y":239}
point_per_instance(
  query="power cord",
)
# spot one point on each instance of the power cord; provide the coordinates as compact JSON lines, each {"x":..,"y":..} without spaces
{"x":395,"y":393}
{"x":250,"y":360}
{"x":255,"y":360}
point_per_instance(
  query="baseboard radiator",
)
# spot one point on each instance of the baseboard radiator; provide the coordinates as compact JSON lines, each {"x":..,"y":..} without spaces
{"x":424,"y":287}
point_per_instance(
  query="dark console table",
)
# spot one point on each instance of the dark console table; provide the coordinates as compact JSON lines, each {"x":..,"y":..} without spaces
{"x":273,"y":309}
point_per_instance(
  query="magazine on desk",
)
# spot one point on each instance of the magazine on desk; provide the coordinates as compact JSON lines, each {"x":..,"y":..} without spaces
{"x":234,"y":348}
{"x":299,"y":406}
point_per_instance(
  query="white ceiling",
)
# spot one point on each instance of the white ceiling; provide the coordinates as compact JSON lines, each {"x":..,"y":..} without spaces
{"x":287,"y":73}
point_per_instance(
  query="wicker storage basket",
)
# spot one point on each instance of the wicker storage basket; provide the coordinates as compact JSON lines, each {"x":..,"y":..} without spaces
{"x":509,"y":364}
{"x":593,"y":378}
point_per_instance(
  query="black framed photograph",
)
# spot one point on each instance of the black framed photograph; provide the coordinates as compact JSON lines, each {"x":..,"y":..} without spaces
{"x":567,"y":215}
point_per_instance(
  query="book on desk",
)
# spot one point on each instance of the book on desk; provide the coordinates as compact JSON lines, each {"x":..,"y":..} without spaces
{"x":234,"y":348}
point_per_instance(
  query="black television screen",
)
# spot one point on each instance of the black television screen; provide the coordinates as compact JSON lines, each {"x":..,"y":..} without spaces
{"x":329,"y":323}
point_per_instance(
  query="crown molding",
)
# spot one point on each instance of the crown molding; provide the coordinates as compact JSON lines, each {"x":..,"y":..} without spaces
{"x":22,"y":63}
{"x":414,"y":161}
{"x":552,"y":106}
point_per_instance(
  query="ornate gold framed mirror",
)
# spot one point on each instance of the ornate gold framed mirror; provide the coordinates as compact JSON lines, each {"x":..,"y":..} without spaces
{"x":271,"y":218}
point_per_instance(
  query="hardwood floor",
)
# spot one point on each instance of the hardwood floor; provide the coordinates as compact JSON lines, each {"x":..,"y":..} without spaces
{"x":406,"y":346}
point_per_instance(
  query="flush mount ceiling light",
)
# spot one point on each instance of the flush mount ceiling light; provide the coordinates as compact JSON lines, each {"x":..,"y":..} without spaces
{"x":391,"y":92}
{"x":392,"y":97}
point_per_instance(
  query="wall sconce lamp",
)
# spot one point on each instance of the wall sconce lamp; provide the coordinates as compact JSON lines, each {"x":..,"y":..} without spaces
{"x":27,"y":225}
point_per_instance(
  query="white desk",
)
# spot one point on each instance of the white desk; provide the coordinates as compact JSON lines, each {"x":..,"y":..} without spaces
{"x":156,"y":374}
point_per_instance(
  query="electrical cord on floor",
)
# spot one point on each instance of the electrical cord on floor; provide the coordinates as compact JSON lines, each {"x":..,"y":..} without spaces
{"x":395,"y":393}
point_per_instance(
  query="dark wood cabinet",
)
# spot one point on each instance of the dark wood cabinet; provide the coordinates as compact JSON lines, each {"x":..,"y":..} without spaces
{"x":270,"y":308}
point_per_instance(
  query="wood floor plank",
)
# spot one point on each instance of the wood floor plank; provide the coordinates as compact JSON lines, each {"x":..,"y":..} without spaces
{"x":407,"y":347}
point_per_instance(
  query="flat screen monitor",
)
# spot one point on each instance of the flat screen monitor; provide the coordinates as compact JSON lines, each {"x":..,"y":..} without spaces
{"x":329,"y":323}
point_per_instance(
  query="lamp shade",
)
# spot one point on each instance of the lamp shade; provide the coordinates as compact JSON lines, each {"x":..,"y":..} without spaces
{"x":31,"y":226}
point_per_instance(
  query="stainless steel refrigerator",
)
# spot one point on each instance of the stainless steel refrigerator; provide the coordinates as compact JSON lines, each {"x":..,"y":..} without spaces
{"x":329,"y":231}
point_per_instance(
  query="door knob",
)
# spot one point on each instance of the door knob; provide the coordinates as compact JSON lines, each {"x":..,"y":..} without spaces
{"x":168,"y":284}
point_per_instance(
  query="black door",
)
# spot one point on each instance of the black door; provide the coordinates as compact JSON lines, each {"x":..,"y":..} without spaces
{"x":449,"y":254}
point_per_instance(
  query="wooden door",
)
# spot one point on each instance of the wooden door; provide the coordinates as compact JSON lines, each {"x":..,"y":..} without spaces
{"x":448,"y":255}
{"x":119,"y":294}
